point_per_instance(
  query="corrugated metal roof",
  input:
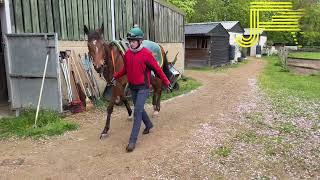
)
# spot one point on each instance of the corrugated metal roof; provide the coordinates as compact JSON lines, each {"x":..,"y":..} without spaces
{"x":229,"y":24}
{"x":247,"y":32}
{"x":199,"y":28}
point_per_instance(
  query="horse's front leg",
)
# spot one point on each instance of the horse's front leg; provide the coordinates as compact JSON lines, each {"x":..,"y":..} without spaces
{"x":159,"y":99}
{"x":154,"y":99}
{"x":109,"y":112}
{"x":156,"y":104}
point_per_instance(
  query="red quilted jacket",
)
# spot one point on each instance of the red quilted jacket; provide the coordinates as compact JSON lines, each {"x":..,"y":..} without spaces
{"x":138,"y":66}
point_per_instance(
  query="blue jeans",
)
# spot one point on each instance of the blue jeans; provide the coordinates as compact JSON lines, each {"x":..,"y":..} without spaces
{"x":139,"y":98}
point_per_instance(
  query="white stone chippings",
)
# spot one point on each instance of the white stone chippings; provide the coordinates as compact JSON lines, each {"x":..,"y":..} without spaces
{"x":250,"y":158}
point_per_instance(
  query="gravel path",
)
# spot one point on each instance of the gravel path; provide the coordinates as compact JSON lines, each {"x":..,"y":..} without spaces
{"x":173,"y":150}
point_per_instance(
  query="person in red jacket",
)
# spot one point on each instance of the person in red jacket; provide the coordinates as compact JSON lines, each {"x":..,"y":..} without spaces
{"x":138,"y":63}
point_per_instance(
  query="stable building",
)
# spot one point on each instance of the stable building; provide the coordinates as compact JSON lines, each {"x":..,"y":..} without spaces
{"x":59,"y":25}
{"x":235,"y":30}
{"x":207,"y":44}
{"x":258,"y":49}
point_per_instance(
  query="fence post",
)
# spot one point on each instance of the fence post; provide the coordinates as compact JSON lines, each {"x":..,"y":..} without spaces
{"x":283,"y":54}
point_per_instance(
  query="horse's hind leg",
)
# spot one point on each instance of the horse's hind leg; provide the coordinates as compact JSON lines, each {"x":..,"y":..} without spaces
{"x":107,"y":126}
{"x":126,"y":103}
{"x":156,"y":104}
{"x":158,"y":100}
{"x":154,"y":99}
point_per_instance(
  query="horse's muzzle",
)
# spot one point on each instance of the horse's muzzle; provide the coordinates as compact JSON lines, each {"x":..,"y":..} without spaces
{"x":98,"y":69}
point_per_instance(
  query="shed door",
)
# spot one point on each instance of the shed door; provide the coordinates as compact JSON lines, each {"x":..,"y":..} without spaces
{"x":219,"y":51}
{"x":25,"y":62}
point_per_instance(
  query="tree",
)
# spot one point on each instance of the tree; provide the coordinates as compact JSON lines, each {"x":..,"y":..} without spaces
{"x":311,"y":25}
{"x":207,"y":10}
{"x":186,"y":5}
{"x":238,"y":10}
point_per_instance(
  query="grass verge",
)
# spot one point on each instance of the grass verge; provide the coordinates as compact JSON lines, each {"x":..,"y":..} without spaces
{"x":49,"y":124}
{"x":186,"y":84}
{"x":275,"y":79}
{"x":307,"y":55}
{"x":291,"y":94}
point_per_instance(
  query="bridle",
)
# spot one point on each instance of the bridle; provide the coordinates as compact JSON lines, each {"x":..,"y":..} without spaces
{"x":103,"y":67}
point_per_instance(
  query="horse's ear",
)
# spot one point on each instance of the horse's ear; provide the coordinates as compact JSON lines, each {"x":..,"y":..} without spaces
{"x":86,"y":30}
{"x":101,"y":30}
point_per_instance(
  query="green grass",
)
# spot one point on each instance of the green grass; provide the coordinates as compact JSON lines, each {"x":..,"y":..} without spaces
{"x":307,"y":55}
{"x":49,"y":124}
{"x":223,"y":151}
{"x":291,"y":94}
{"x":276,"y":145}
{"x":287,"y":127}
{"x":101,"y":104}
{"x":218,"y":69}
{"x":206,"y":68}
{"x":274,"y":80}
{"x":248,"y":136}
{"x":256,"y":119}
{"x":186,"y":84}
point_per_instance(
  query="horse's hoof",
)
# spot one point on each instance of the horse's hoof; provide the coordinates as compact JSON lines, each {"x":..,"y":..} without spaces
{"x":104,"y":134}
{"x":155,"y":114}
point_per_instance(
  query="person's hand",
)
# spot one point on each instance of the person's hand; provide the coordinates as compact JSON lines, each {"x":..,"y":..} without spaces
{"x":169,"y":88}
{"x":113,"y":81}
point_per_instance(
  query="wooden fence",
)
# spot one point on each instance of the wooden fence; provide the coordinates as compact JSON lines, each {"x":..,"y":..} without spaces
{"x":159,"y":20}
{"x":169,"y":23}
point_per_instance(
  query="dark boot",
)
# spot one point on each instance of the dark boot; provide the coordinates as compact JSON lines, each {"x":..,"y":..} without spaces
{"x":131,"y":147}
{"x":147,"y":130}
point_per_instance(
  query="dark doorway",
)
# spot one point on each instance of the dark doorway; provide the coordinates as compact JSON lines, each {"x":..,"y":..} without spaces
{"x":4,"y":105}
{"x":3,"y":77}
{"x":248,"y":51}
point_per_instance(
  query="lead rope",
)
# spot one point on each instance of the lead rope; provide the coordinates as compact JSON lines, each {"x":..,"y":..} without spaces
{"x":112,"y":58}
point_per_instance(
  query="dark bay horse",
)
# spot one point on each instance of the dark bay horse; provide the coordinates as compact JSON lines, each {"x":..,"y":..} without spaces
{"x":107,"y":59}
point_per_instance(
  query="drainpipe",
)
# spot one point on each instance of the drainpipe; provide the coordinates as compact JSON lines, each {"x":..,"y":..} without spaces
{"x":113,"y":22}
{"x":7,"y":17}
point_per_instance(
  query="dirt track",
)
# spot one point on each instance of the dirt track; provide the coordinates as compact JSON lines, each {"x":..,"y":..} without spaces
{"x":81,"y":155}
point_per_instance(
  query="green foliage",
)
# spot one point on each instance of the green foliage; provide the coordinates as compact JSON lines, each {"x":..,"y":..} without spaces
{"x":311,"y":20}
{"x":49,"y":124}
{"x":310,"y":38}
{"x":238,"y":10}
{"x":208,"y":10}
{"x":284,"y":38}
{"x":186,"y":5}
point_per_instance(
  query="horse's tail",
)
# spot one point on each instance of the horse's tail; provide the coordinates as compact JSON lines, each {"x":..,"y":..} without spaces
{"x":165,"y":66}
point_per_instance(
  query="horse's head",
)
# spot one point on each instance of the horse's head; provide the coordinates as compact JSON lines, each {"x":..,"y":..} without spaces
{"x":96,"y":46}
